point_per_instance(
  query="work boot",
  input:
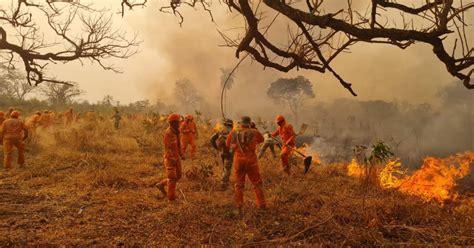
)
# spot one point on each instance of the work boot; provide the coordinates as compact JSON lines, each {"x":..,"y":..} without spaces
{"x":161,"y":187}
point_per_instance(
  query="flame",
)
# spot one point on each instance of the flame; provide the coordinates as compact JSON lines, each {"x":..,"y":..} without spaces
{"x":392,"y":175}
{"x":309,"y":151}
{"x":435,"y":180}
{"x":219,"y":126}
{"x":354,"y":169}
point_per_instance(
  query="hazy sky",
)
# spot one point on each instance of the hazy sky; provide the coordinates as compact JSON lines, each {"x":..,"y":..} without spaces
{"x":169,"y":52}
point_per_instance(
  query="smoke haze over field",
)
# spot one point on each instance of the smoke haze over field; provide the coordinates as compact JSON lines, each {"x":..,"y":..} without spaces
{"x":169,"y":52}
{"x":377,"y":72}
{"x":403,"y":79}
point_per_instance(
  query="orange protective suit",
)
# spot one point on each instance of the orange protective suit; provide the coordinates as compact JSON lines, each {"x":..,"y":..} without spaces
{"x":172,"y":162}
{"x":12,"y":133}
{"x":243,"y":141}
{"x":69,"y":116}
{"x":45,"y":119}
{"x":2,"y":118}
{"x":188,"y":131}
{"x":32,"y":123}
{"x":287,"y":134}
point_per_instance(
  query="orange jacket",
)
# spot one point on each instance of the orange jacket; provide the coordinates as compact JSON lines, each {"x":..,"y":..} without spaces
{"x":187,"y":128}
{"x":13,"y":129}
{"x":171,"y":143}
{"x":45,"y":119}
{"x":248,"y":137}
{"x":2,"y":119}
{"x":33,"y":121}
{"x":287,"y":134}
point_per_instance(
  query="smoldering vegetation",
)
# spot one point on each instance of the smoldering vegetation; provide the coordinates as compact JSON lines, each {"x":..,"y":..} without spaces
{"x":431,"y":116}
{"x":414,"y":131}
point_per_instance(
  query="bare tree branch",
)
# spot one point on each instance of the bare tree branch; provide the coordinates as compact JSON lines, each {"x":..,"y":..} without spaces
{"x":322,"y":36}
{"x":96,"y":41}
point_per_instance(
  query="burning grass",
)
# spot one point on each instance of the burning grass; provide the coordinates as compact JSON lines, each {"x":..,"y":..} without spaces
{"x":435,"y":180}
{"x":104,"y":195}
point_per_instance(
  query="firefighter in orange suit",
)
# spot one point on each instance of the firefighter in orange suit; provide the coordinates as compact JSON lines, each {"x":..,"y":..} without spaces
{"x":13,"y":133}
{"x":69,"y":117}
{"x":189,"y":134}
{"x":287,"y":134}
{"x":172,"y":158}
{"x":243,"y":141}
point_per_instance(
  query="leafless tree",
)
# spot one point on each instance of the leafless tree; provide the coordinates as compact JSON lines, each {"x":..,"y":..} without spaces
{"x":186,"y":94}
{"x":74,"y":32}
{"x":14,"y":84}
{"x":61,"y":93}
{"x":316,"y":36}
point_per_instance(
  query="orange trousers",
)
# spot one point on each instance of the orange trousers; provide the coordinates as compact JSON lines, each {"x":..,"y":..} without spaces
{"x":8,"y":145}
{"x":188,"y":140}
{"x":247,"y":167}
{"x":68,"y":122}
{"x":32,"y":132}
{"x":285,"y":158}
{"x":173,"y":174}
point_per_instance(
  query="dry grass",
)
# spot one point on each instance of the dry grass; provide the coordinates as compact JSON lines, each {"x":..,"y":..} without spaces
{"x":94,"y":186}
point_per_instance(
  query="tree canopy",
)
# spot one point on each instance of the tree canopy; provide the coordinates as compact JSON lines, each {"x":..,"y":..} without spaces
{"x":291,"y":91}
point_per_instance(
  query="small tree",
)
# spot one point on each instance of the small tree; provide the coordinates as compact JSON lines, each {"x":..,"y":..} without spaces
{"x":292,"y":91}
{"x":159,"y":105}
{"x":108,"y":100}
{"x":14,"y":84}
{"x":186,"y":94}
{"x":61,"y":93}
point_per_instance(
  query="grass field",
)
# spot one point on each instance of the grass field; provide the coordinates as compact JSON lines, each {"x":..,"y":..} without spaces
{"x":94,"y":186}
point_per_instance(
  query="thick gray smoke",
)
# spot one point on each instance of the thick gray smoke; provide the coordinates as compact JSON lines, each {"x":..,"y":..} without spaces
{"x":398,"y":102}
{"x":414,"y":131}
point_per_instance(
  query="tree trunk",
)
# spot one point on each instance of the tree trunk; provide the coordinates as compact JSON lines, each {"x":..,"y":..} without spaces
{"x":294,"y":110}
{"x":295,"y":114}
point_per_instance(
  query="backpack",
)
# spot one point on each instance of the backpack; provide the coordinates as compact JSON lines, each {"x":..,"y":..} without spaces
{"x":243,"y":138}
{"x":221,"y":140}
